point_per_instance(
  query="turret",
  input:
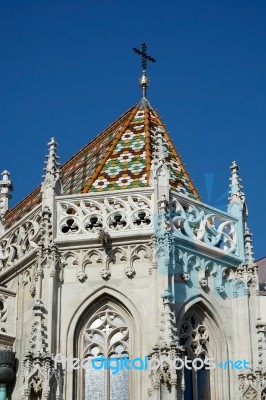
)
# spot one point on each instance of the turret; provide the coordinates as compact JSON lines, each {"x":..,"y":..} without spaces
{"x":6,"y":188}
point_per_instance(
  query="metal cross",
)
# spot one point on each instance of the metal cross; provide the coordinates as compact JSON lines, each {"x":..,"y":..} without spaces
{"x":144,"y":56}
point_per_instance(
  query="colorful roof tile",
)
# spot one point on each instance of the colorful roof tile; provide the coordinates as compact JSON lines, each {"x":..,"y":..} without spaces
{"x":119,"y":158}
{"x":128,"y":161}
{"x":126,"y":166}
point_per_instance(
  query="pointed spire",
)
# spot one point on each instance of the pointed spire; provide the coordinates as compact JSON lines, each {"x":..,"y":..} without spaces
{"x":237,"y":201}
{"x":236,"y":194}
{"x":52,"y":172}
{"x":237,"y":207}
{"x":249,"y":254}
{"x":5,"y":188}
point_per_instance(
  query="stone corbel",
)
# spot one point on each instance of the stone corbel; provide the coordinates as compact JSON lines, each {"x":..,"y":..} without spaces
{"x":185,"y":276}
{"x":203,"y":282}
{"x":105,"y":274}
{"x":130,"y":272}
{"x":82,"y":276}
{"x":220,"y":289}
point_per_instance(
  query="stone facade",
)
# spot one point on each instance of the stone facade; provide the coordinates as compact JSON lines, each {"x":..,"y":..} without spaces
{"x":145,"y":270}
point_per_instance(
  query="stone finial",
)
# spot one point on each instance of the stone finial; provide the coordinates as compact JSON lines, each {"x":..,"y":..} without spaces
{"x":159,"y":150}
{"x":237,"y":207}
{"x":249,"y":254}
{"x":37,"y":339}
{"x":38,"y":363}
{"x":52,"y":171}
{"x":159,"y":163}
{"x":167,"y":328}
{"x":167,"y":347}
{"x":236,"y":194}
{"x":5,"y":188}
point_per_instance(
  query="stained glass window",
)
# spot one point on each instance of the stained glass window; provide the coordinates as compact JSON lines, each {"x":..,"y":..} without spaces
{"x":106,"y":336}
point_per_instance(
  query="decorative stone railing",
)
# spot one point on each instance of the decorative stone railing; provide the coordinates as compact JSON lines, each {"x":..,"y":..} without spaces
{"x":198,"y":223}
{"x":20,"y":240}
{"x":90,"y":215}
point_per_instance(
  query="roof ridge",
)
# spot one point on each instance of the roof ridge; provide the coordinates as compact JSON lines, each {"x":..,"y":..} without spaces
{"x":178,"y":158}
{"x":147,"y":124}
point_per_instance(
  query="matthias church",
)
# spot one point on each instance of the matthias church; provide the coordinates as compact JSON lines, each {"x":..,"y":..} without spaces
{"x":115,"y":255}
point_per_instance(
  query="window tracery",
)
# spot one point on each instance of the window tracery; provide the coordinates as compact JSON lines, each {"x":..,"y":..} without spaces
{"x":106,"y":334}
{"x":195,"y":339}
{"x":194,"y":336}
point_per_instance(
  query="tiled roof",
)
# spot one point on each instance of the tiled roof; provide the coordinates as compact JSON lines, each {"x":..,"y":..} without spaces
{"x":179,"y":178}
{"x":124,"y":166}
{"x":118,"y":158}
{"x":76,"y":172}
{"x":127,"y":162}
{"x":23,"y":207}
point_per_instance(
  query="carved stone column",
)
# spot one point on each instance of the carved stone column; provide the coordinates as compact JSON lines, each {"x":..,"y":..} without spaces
{"x":163,"y":357}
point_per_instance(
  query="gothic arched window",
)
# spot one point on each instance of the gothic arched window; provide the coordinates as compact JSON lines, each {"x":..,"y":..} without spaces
{"x":105,"y":336}
{"x":194,"y":337}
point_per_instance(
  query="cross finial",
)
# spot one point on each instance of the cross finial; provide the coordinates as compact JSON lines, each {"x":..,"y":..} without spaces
{"x":144,"y":81}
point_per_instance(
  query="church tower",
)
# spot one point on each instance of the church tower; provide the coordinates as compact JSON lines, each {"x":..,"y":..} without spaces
{"x":115,"y":256}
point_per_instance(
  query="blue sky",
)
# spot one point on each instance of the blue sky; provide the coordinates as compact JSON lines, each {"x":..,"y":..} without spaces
{"x":67,"y":70}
